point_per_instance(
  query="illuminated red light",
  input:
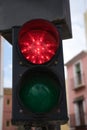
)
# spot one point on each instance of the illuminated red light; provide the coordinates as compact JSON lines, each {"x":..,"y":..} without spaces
{"x":38,"y":41}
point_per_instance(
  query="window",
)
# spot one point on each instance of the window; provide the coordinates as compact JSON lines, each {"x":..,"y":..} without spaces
{"x":79,"y":113}
{"x":78,"y":74}
{"x":7,"y":123}
{"x":8,"y":101}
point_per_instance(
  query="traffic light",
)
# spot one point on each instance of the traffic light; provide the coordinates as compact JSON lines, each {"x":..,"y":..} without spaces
{"x":39,"y":96}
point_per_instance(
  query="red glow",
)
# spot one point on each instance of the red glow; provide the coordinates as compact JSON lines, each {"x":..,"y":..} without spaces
{"x":38,"y":41}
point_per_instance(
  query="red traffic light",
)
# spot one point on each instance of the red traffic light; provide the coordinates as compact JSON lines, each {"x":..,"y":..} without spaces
{"x":38,"y":41}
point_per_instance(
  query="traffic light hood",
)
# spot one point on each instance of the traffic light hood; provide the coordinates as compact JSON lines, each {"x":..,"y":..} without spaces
{"x":16,"y":12}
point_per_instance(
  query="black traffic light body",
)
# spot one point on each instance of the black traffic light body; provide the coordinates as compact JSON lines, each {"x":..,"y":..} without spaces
{"x":52,"y":73}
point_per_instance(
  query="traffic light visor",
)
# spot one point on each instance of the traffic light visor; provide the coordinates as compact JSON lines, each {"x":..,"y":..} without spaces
{"x":38,"y":41}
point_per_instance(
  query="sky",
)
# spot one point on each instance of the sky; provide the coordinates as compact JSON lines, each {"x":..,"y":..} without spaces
{"x":71,"y":47}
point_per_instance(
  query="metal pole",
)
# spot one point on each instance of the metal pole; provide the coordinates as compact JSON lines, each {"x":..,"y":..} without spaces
{"x":1,"y":83}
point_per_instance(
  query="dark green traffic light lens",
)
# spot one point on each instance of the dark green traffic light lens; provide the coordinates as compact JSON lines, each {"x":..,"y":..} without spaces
{"x":39,"y":91}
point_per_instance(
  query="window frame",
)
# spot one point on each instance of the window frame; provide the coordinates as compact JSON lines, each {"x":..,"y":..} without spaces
{"x":76,"y":84}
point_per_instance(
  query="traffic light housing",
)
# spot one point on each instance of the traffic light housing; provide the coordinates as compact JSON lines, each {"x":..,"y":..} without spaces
{"x":15,"y":13}
{"x":39,"y":96}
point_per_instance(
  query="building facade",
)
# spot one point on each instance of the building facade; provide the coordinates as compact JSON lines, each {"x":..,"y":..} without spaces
{"x":7,"y":110}
{"x":77,"y":91}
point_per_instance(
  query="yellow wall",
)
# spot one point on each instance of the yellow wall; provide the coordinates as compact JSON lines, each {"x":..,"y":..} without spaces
{"x":65,"y":127}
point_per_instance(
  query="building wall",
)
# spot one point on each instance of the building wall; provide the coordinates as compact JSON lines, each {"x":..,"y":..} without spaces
{"x":7,"y":110}
{"x":71,"y":92}
{"x":81,"y":91}
{"x":65,"y":127}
